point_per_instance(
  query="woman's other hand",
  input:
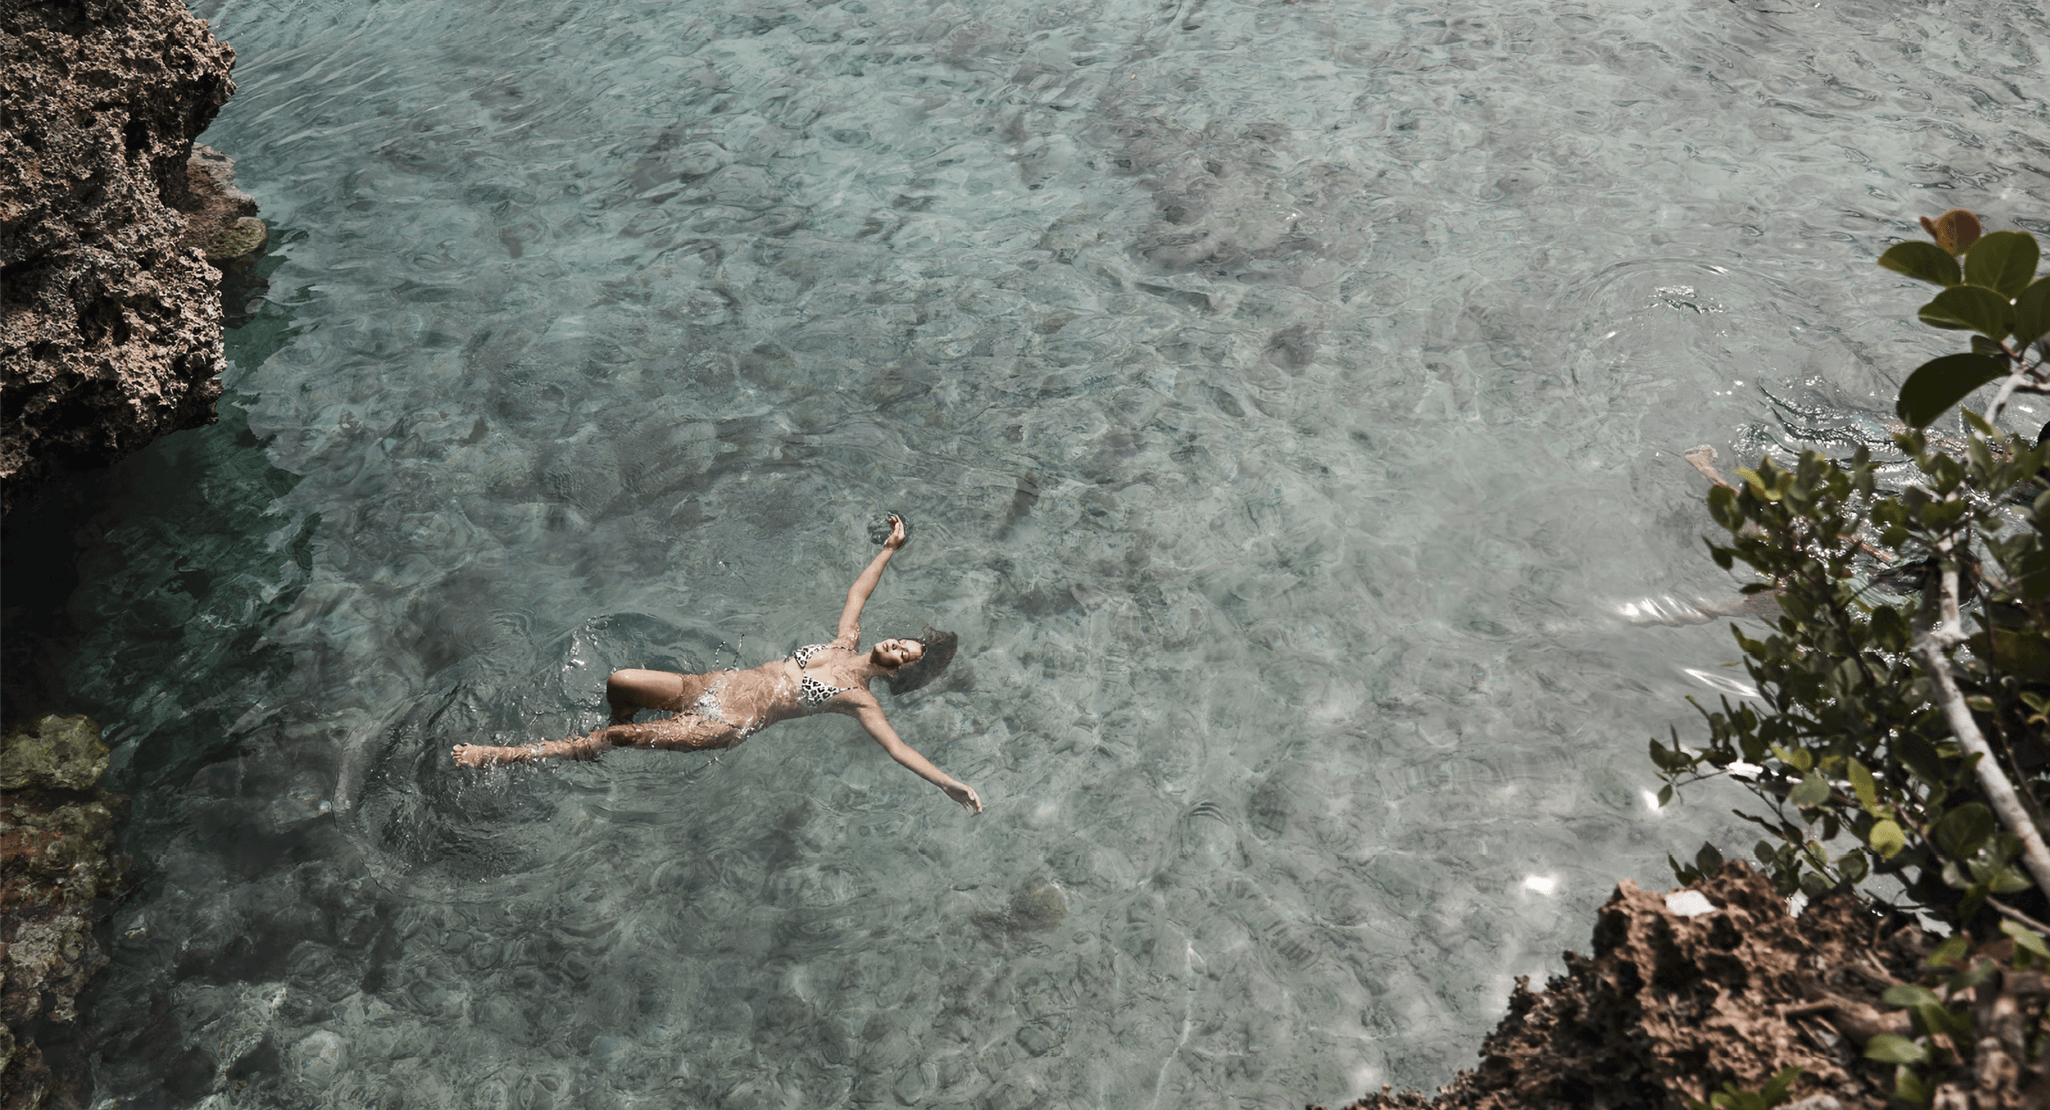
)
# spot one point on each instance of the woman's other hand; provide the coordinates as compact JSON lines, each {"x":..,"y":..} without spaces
{"x":964,"y":794}
{"x":897,"y":533}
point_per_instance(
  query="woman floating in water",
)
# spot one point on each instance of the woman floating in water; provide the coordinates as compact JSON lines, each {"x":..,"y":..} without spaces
{"x":721,"y":709}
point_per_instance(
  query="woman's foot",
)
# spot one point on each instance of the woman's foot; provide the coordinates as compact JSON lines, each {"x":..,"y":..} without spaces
{"x":478,"y":755}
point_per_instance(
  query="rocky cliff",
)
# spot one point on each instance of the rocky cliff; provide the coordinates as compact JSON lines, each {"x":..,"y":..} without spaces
{"x":110,"y":316}
{"x":1720,"y":985}
{"x":113,"y":235}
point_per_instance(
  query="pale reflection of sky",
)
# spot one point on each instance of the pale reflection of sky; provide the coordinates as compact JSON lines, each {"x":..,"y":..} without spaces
{"x":1722,"y":683}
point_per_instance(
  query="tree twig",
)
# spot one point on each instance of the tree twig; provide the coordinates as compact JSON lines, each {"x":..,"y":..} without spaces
{"x":2024,"y":376}
{"x":2007,"y":911}
{"x":1930,"y":643}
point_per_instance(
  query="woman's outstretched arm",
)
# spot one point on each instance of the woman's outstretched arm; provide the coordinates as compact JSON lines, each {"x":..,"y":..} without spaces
{"x":857,"y":595}
{"x":872,"y":719}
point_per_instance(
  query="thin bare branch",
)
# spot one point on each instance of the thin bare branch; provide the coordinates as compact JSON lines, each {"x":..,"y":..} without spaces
{"x":2023,"y":379}
{"x":2017,"y":916}
{"x":2000,"y":794}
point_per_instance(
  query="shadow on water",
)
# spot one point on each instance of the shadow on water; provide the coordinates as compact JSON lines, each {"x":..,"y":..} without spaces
{"x":165,"y":572}
{"x":39,"y":552}
{"x":142,"y":595}
{"x":112,"y":571}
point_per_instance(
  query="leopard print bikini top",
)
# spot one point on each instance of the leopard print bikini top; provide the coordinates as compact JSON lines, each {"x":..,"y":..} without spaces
{"x":813,"y":693}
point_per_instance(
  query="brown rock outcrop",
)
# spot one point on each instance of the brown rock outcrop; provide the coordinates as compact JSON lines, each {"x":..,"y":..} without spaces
{"x":110,"y":318}
{"x":59,"y":875}
{"x":1671,"y":1007}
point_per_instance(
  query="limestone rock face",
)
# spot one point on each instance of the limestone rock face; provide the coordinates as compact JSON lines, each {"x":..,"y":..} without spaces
{"x":1687,"y":992}
{"x":110,"y":320}
{"x":59,"y":876}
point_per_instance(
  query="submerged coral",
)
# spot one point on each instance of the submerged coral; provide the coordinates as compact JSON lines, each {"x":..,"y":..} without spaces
{"x":59,"y":875}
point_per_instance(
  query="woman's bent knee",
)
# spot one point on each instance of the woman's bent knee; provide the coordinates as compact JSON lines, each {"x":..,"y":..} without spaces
{"x":645,"y":688}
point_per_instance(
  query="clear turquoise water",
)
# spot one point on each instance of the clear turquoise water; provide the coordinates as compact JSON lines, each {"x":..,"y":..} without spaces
{"x":1288,"y":401}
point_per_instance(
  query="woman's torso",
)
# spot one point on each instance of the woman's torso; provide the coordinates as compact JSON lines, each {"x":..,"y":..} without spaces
{"x":781,"y":688}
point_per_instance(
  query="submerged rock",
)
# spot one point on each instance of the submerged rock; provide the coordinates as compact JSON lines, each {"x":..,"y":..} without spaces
{"x":110,"y":322}
{"x":59,"y":874}
{"x":1676,"y":1002}
{"x":238,"y":242}
{"x":1037,"y":906}
{"x":220,"y":218}
{"x":58,"y":753}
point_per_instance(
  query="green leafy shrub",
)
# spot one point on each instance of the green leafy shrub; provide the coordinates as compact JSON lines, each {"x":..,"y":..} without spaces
{"x":1944,"y":1010}
{"x":1902,"y":721}
{"x":1995,"y":295}
{"x":1904,"y":693}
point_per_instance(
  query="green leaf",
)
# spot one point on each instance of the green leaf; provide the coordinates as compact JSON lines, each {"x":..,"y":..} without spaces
{"x":1970,"y":308}
{"x":1908,"y":1087}
{"x":2008,"y":880}
{"x":1659,"y":758}
{"x":1933,"y":1018}
{"x":1708,"y":860}
{"x":2003,"y":261}
{"x":1861,"y":782}
{"x":1942,"y":382}
{"x":1888,"y":1048}
{"x":1923,"y":262}
{"x":1854,"y":866}
{"x":1951,"y":950}
{"x":1886,"y":839}
{"x":2027,"y":940}
{"x":1967,"y":978}
{"x":1665,"y":795}
{"x":1800,"y":759}
{"x":2024,"y":652}
{"x":2032,"y":311}
{"x":1812,"y":790}
{"x":1905,"y":995}
{"x":1776,"y":1090}
{"x":1922,"y":758}
{"x":1963,"y":831}
{"x":1974,"y":898}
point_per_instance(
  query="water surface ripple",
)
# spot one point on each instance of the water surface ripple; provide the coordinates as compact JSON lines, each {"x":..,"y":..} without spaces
{"x":1288,"y":398}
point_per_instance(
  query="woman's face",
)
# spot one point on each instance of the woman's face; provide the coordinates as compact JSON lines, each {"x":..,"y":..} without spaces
{"x":897,"y":653}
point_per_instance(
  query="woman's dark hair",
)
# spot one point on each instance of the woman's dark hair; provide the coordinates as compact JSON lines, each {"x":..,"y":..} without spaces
{"x":939,"y":651}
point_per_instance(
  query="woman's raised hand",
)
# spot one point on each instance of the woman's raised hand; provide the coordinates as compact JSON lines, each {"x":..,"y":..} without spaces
{"x":964,"y":794}
{"x":897,"y":533}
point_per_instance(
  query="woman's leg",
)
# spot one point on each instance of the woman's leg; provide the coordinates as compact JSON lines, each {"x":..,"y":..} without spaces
{"x":685,"y":732}
{"x":581,"y":747}
{"x":633,"y":688}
